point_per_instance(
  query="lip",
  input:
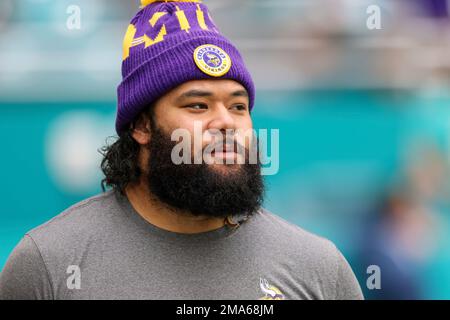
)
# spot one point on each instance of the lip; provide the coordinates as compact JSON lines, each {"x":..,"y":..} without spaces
{"x":225,"y":154}
{"x":226,"y":151}
{"x":229,"y":148}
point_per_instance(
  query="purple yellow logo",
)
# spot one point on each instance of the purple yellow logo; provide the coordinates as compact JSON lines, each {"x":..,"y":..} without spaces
{"x":271,"y":292}
{"x":212,"y":60}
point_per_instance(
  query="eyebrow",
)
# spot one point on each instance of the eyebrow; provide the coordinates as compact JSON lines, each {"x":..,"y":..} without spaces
{"x":202,"y":94}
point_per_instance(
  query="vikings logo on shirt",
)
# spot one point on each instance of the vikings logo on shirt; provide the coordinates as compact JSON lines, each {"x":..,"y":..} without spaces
{"x":212,"y":60}
{"x":272,"y":292}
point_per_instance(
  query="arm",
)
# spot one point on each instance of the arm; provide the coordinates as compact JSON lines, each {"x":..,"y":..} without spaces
{"x":347,"y":286}
{"x":25,"y":276}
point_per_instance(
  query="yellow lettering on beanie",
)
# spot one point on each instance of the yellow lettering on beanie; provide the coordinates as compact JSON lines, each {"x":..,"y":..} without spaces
{"x":184,"y":23}
{"x":131,"y":41}
{"x":160,"y":37}
{"x":128,"y":40}
{"x":145,"y":3}
{"x":156,"y":17}
{"x":201,"y":18}
{"x":162,"y":32}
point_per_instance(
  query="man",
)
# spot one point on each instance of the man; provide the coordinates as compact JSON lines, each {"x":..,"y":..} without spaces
{"x":177,"y":231}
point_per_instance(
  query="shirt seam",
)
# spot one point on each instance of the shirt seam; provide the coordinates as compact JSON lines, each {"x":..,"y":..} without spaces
{"x":49,"y":279}
{"x":69,"y":210}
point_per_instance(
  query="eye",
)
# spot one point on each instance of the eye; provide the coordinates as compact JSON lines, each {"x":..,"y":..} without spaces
{"x":197,"y":106}
{"x":240,"y":107}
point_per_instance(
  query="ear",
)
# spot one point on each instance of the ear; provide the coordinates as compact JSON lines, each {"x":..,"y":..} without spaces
{"x":141,"y":130}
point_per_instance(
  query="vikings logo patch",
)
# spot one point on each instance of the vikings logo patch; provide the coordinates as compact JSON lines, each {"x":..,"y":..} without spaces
{"x":212,"y":60}
{"x":271,"y":292}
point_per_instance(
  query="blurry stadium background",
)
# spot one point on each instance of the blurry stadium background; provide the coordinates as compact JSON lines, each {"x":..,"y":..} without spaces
{"x":364,"y":119}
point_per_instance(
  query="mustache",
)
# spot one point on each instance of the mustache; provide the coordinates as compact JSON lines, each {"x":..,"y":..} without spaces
{"x":226,"y":145}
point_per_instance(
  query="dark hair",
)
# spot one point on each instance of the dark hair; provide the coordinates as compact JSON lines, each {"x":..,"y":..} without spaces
{"x":120,"y":163}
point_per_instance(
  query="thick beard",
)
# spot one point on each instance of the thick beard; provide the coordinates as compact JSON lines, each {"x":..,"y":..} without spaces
{"x":199,"y":189}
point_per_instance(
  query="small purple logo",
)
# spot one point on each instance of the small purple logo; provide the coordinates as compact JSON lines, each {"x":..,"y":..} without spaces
{"x":212,"y":60}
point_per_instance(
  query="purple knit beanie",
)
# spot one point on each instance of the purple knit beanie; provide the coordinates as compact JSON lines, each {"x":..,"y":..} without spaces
{"x":167,"y":44}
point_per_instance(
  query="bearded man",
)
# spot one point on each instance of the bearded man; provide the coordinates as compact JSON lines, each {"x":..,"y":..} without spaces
{"x":166,"y":230}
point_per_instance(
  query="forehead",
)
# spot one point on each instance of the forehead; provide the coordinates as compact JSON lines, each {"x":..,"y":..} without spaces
{"x":217,"y":87}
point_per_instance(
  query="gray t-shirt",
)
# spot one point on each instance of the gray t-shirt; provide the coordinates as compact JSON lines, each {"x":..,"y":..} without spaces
{"x":101,"y":248}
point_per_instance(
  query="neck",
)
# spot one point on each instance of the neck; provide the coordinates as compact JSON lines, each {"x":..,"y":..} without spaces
{"x":164,"y":217}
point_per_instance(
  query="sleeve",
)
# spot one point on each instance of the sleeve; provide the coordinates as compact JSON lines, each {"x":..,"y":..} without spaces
{"x":25,"y":276}
{"x":347,"y":286}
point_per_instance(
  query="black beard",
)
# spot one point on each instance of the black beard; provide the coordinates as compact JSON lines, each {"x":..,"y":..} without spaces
{"x":198,"y":189}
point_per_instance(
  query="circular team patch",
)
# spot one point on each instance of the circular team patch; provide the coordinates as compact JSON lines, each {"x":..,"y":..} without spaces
{"x":212,"y":60}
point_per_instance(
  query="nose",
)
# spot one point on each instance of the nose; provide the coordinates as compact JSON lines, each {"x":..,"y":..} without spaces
{"x":221,"y":119}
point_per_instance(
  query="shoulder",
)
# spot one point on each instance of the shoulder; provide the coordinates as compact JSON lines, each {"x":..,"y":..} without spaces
{"x":285,"y":232}
{"x":75,"y":223}
{"x":41,"y":258}
{"x":25,"y":274}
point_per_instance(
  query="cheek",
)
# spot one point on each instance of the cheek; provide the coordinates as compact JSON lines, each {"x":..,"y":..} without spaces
{"x":245,"y":138}
{"x":245,"y":133}
{"x":184,"y":121}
